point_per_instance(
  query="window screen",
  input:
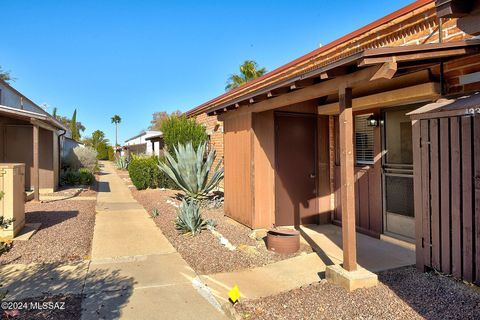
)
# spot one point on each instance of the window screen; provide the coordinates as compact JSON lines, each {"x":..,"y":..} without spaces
{"x":364,"y":153}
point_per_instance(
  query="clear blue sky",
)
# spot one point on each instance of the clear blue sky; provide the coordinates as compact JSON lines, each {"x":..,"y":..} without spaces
{"x":135,"y":57}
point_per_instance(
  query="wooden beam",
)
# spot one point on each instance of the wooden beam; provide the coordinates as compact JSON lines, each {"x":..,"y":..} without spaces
{"x":299,"y":84}
{"x":42,"y":124}
{"x":423,"y":92}
{"x":414,"y":56}
{"x":277,"y":92}
{"x":386,"y":71}
{"x":347,"y":179}
{"x":312,"y":92}
{"x":36,"y":163}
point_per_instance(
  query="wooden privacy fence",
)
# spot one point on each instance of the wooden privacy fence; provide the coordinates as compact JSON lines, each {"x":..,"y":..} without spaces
{"x":447,"y":191}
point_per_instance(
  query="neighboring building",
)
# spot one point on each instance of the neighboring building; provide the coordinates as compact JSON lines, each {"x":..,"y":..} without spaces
{"x":28,"y":134}
{"x":67,"y":144}
{"x":146,"y":142}
{"x":326,"y":138}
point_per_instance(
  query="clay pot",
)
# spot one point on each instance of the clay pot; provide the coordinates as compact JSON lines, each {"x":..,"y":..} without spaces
{"x":283,"y":240}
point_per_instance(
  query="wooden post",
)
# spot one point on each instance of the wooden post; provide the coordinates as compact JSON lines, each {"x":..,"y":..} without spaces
{"x":347,"y":180}
{"x":36,"y":167}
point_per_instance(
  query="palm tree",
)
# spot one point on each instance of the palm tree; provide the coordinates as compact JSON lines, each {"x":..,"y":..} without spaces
{"x":248,"y":71}
{"x":116,"y":119}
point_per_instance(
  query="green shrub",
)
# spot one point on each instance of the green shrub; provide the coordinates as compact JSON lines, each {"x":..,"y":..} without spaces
{"x":111,"y":153}
{"x":70,"y":178}
{"x":141,"y":172}
{"x":82,"y":176}
{"x":86,"y":177}
{"x":189,"y":220}
{"x":180,"y":129}
{"x":102,"y":151}
{"x":145,"y":173}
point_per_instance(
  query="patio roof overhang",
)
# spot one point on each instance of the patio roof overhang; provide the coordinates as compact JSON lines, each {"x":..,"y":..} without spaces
{"x":43,"y":121}
{"x":459,"y":106}
{"x":371,"y":65}
{"x":155,"y":138}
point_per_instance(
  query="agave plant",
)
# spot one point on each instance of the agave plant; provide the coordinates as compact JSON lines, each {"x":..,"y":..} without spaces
{"x":191,"y":171}
{"x":189,"y":220}
{"x":122,"y":162}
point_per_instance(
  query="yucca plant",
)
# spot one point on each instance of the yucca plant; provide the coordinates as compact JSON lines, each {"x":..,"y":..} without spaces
{"x":189,"y":220}
{"x":190,"y":170}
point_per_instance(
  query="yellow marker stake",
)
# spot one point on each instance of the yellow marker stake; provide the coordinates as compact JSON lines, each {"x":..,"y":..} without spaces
{"x":234,"y":294}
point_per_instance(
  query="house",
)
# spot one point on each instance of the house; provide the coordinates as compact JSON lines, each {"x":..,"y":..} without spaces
{"x":29,"y":135}
{"x":327,"y":137}
{"x":146,"y":142}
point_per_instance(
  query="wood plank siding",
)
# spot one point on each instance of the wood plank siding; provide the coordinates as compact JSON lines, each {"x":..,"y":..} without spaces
{"x":448,"y":158}
{"x":238,"y":169}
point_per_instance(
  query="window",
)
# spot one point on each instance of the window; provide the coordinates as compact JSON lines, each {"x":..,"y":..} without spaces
{"x":364,"y":153}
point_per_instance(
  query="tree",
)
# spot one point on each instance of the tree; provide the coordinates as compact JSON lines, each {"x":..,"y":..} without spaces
{"x":98,"y":142}
{"x":67,"y":123}
{"x":116,"y":119}
{"x":5,"y":75}
{"x":73,"y":126}
{"x":248,"y":71}
{"x":180,"y":129}
{"x":159,"y":117}
{"x":96,"y":139}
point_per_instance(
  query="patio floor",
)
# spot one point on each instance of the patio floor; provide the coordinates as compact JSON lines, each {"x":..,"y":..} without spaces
{"x":373,"y":254}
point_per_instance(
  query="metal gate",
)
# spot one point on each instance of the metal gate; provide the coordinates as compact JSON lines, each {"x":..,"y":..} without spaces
{"x":447,"y":192}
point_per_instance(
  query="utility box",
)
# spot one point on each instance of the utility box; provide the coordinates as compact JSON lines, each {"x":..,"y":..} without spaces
{"x":12,"y":204}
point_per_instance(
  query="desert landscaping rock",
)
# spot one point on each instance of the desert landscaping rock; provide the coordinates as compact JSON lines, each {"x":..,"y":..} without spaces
{"x":204,"y":253}
{"x":65,"y":234}
{"x":401,"y":294}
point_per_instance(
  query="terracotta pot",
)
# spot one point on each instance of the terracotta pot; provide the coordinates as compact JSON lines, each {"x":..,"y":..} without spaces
{"x":283,"y":240}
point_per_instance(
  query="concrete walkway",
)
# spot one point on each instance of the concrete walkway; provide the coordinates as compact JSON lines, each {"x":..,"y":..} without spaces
{"x":373,"y":254}
{"x":135,"y":273}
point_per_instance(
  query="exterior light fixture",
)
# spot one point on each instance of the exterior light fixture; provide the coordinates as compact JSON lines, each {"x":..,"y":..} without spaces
{"x":372,"y":121}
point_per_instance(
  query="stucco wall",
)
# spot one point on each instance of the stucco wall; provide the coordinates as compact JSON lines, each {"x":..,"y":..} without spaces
{"x":141,"y":139}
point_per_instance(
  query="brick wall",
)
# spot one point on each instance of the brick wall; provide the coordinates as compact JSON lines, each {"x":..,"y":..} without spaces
{"x":455,"y":69}
{"x":215,"y":130}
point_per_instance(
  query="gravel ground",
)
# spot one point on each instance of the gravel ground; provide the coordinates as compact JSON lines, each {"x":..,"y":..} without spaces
{"x":204,"y":253}
{"x":72,"y":306}
{"x":64,"y":236}
{"x":402,"y":294}
{"x":69,"y":191}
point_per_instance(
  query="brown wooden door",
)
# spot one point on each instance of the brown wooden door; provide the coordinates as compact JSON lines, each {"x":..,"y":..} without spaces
{"x":295,"y":179}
